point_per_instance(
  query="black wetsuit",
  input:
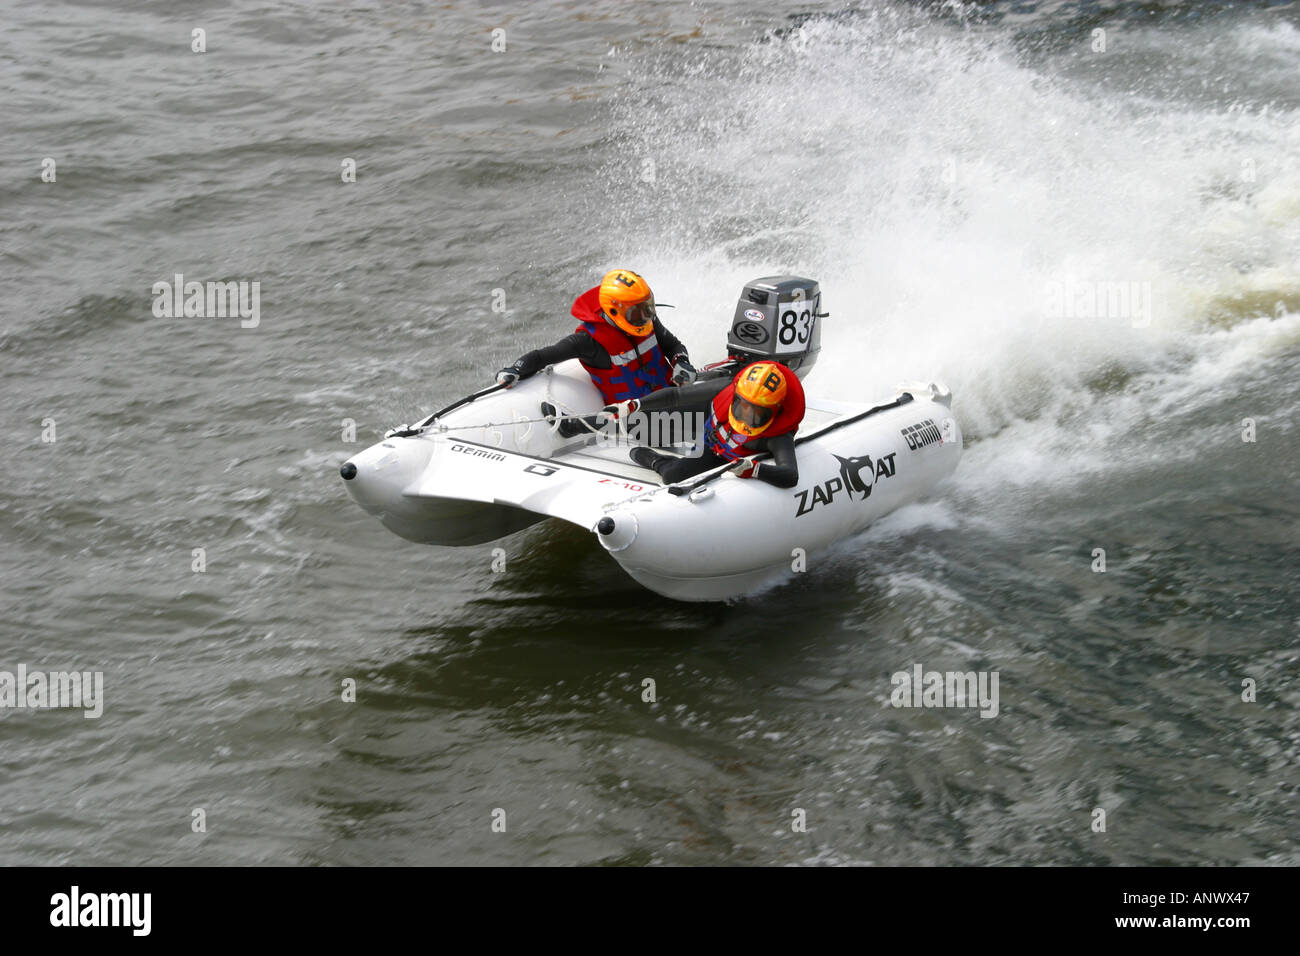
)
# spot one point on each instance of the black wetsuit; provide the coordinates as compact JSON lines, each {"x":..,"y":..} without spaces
{"x":782,"y":470}
{"x":582,"y":346}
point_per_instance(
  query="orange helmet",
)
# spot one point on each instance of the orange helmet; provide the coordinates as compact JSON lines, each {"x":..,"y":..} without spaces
{"x":627,"y":301}
{"x":760,"y":390}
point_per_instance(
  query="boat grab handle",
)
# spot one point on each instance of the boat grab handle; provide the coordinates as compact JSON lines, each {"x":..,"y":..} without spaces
{"x":416,"y":429}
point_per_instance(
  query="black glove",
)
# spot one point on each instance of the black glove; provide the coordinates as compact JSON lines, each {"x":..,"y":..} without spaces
{"x":508,"y":376}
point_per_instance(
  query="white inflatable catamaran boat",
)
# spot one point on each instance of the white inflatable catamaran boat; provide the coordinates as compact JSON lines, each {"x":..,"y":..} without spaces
{"x":488,"y":466}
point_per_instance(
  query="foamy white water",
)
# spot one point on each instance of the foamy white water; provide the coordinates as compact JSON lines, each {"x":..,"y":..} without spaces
{"x":947,"y":237}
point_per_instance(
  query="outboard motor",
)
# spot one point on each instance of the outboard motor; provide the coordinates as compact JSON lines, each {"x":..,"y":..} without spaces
{"x":777,"y":319}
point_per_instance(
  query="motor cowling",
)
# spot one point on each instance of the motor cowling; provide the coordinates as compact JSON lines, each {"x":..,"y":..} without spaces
{"x":778,"y":319}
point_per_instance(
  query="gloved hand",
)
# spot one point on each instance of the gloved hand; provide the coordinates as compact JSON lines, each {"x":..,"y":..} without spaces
{"x":683,"y":371}
{"x":745,"y":468}
{"x":508,"y":376}
{"x":617,"y":411}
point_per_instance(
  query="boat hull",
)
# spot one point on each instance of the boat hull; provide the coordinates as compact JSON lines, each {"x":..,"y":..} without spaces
{"x":491,"y":468}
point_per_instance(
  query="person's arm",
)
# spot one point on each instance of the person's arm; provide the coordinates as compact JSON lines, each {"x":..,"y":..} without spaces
{"x":577,"y":345}
{"x":670,"y":344}
{"x":675,"y":352}
{"x":783,"y":469}
{"x":699,"y":395}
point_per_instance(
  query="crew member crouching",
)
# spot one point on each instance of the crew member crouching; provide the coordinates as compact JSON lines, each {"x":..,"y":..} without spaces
{"x":757,"y":411}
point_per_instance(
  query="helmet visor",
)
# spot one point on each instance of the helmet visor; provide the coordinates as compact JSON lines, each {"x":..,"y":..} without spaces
{"x":643,"y":313}
{"x":746,"y":412}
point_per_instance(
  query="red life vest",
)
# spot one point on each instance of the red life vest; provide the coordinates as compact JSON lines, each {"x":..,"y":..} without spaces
{"x":729,"y":444}
{"x":637,"y":365}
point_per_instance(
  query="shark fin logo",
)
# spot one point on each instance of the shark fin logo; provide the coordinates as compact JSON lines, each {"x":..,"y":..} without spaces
{"x":851,"y":474}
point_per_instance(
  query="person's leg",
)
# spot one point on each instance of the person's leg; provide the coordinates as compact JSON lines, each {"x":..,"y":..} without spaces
{"x":569,"y":427}
{"x":673,"y":470}
{"x":675,"y":427}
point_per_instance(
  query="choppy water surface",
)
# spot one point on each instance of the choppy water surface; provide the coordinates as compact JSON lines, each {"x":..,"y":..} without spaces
{"x":940,"y":171}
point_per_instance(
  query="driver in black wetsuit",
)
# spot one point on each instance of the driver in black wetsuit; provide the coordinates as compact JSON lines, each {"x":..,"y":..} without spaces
{"x":620,"y":342}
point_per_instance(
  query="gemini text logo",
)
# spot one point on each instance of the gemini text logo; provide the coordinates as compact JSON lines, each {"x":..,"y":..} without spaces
{"x":47,"y":689}
{"x":102,"y":909}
